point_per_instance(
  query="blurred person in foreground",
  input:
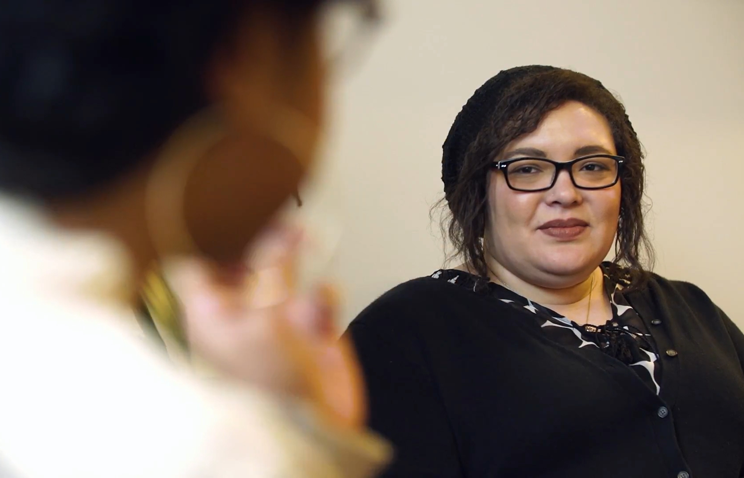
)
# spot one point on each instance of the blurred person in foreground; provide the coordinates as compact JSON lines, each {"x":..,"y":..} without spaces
{"x":132,"y":133}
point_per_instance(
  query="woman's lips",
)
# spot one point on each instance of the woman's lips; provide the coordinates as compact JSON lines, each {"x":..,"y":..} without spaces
{"x":564,"y":232}
{"x":565,"y":229}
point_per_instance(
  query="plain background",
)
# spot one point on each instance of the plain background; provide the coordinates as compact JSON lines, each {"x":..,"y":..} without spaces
{"x":678,"y":66}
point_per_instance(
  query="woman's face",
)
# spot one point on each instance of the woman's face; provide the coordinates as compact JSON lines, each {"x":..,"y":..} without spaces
{"x":516,"y":234}
{"x":269,"y":83}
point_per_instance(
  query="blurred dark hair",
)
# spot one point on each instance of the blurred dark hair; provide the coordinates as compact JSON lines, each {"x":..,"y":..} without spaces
{"x":508,"y":106}
{"x":88,"y":89}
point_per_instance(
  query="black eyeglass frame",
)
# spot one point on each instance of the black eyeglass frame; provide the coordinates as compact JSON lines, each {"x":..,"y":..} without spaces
{"x":559,"y":166}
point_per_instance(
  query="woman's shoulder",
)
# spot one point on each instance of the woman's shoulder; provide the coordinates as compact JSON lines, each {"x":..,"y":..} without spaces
{"x":408,"y":295}
{"x":425,"y":296}
{"x":649,"y":284}
{"x":680,"y":299}
{"x":403,"y":325}
{"x":422,"y":287}
{"x":663,"y":287}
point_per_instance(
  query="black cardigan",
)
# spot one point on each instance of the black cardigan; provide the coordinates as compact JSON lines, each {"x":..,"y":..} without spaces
{"x":464,"y":385}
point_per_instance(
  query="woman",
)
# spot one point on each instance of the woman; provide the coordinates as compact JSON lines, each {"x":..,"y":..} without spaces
{"x":132,"y":133}
{"x":534,"y":358}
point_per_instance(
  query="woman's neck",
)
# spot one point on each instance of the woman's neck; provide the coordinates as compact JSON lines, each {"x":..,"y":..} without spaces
{"x":582,"y":301}
{"x":548,"y":296}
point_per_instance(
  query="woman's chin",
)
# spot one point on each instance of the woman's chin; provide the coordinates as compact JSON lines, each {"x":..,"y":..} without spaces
{"x":567,"y":264}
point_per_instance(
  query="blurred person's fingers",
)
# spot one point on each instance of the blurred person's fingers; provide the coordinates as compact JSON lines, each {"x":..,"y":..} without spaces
{"x":242,"y":344}
{"x":248,"y":324}
{"x":334,"y":376}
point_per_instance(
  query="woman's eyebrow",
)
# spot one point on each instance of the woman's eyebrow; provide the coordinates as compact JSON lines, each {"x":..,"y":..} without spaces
{"x":593,"y":149}
{"x":532,"y":152}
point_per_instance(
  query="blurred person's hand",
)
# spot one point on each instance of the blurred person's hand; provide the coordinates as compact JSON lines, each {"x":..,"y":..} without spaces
{"x":248,"y":323}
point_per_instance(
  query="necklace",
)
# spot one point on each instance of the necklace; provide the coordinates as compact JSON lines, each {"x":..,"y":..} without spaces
{"x":588,"y":304}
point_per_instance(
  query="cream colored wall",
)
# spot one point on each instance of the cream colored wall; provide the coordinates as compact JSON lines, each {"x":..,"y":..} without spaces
{"x":677,"y":64}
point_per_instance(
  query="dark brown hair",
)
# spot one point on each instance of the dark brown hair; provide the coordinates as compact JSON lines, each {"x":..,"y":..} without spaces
{"x":511,"y":105}
{"x":89,"y":89}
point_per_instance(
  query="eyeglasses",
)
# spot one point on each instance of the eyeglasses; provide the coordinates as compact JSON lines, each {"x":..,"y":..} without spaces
{"x":346,"y":26}
{"x":597,"y":171}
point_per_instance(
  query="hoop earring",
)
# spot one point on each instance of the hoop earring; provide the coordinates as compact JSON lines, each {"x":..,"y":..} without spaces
{"x":178,"y":158}
{"x":189,"y":144}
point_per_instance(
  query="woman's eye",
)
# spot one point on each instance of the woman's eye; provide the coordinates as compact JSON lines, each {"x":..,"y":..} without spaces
{"x":526,"y":169}
{"x":594,"y":167}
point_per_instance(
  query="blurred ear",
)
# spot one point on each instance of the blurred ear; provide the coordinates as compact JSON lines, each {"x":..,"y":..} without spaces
{"x":244,"y":74}
{"x":266,"y":79}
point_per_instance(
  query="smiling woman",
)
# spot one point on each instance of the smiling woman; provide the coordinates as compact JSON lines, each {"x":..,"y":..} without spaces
{"x":534,"y":357}
{"x":545,"y":226}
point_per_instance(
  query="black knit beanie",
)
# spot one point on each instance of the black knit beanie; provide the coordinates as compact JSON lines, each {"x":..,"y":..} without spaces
{"x":473,"y":115}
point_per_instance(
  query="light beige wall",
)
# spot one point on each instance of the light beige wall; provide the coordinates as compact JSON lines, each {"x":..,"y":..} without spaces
{"x":677,"y":64}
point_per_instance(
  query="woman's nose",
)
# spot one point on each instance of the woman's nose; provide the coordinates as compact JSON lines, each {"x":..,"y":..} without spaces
{"x":564,"y":191}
